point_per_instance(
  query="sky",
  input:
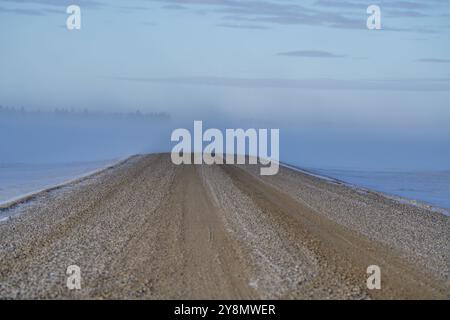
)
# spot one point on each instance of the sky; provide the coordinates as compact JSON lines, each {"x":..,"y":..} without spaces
{"x":342,"y":95}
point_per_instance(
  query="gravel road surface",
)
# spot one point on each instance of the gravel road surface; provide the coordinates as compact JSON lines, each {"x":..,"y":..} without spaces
{"x":148,"y":229}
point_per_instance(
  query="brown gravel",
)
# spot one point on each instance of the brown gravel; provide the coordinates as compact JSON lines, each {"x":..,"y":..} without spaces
{"x":152,"y":230}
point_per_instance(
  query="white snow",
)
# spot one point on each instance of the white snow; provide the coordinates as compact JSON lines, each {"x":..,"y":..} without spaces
{"x":22,"y":180}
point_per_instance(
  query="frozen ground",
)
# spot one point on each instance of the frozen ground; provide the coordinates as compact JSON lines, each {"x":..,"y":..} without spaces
{"x":147,"y":229}
{"x":432,"y":187}
{"x":20,"y":179}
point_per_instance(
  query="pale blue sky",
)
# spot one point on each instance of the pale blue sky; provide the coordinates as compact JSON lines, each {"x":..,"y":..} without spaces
{"x":306,"y":66}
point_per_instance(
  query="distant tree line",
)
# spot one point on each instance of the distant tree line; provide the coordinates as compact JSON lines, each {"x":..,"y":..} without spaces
{"x":85,"y":113}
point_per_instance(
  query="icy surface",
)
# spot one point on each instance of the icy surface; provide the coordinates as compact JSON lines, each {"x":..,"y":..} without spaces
{"x":429,"y":187}
{"x":17,"y":180}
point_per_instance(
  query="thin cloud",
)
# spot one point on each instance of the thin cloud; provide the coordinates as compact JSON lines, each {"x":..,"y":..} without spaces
{"x":242,"y":26}
{"x":407,"y":14}
{"x":325,"y":13}
{"x":313,"y":84}
{"x":59,"y":3}
{"x":361,"y":4}
{"x":311,"y":54}
{"x":433,"y":60}
{"x":47,"y":6}
{"x":174,"y":7}
{"x":27,"y":12}
{"x":254,"y":12}
{"x":134,"y":8}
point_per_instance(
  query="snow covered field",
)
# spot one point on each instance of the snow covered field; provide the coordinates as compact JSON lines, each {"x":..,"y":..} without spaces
{"x":432,"y":187}
{"x":17,"y":180}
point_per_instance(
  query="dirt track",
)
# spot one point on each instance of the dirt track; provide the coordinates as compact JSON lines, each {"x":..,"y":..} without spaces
{"x":150,"y":229}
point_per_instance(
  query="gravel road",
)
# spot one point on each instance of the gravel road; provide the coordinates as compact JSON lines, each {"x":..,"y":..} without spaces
{"x":148,"y":229}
